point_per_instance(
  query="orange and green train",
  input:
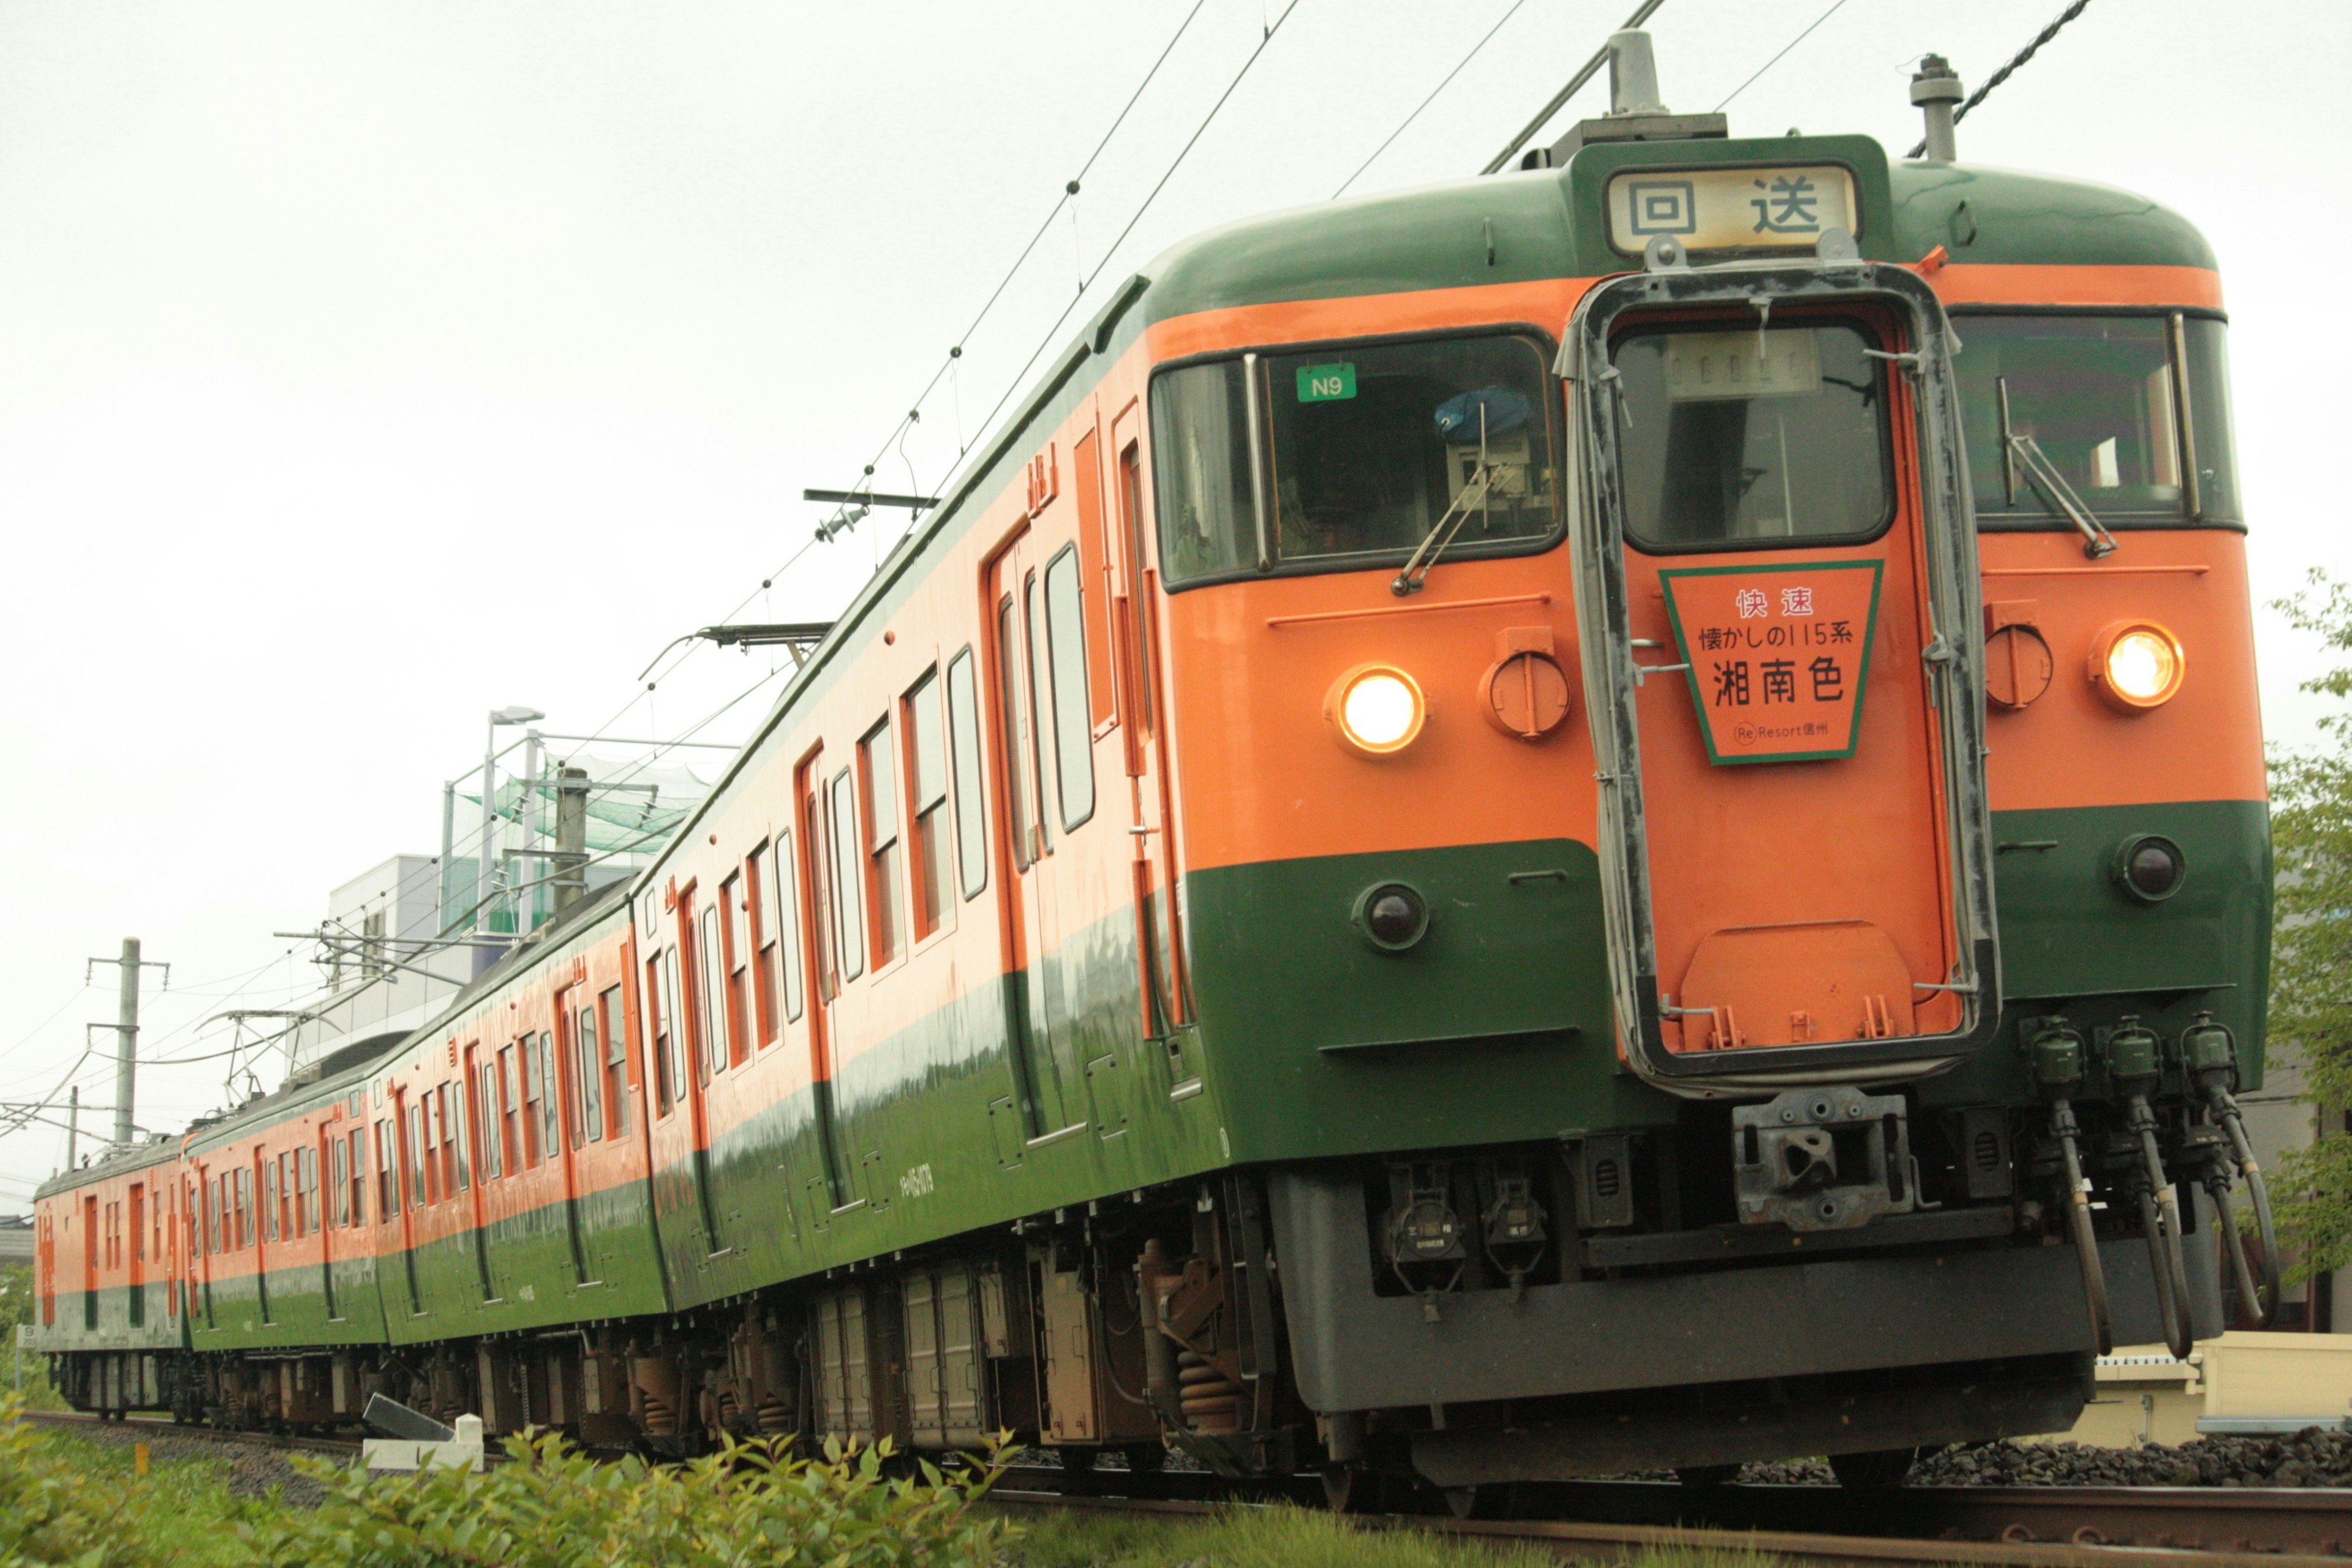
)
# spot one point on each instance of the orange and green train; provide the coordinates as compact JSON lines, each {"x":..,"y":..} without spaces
{"x":1604,"y":817}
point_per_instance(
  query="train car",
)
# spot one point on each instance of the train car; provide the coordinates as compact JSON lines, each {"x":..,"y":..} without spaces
{"x":285,"y":1322}
{"x":1599,"y":818}
{"x":108,"y":1313}
{"x":513,"y":1189}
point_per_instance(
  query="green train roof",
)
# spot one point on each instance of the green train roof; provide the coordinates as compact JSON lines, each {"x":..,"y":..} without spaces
{"x":1548,"y":223}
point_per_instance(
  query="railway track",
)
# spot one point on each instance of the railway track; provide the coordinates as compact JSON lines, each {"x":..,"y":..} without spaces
{"x":161,"y":1427}
{"x":2052,"y":1527}
{"x":2044,"y":1525}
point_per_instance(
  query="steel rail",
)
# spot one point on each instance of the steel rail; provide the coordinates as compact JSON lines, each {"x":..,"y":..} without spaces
{"x":2046,"y":1525}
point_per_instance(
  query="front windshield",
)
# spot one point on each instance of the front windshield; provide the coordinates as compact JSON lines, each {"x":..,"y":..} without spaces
{"x":2099,"y":396}
{"x":1751,"y":436}
{"x":1367,"y":448}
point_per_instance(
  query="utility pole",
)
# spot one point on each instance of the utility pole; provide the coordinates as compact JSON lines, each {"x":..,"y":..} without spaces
{"x":126,"y":1030}
{"x":73,"y":1124}
{"x":571,"y":837}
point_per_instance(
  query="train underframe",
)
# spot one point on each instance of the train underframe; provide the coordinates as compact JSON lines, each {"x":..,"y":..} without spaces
{"x":1458,"y":1320}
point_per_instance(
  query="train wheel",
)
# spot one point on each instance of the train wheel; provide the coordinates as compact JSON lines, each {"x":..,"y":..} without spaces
{"x":1076,"y":1461}
{"x":1874,"y":1472}
{"x":1492,"y":1500}
{"x":1146,"y":1458}
{"x":1351,"y":1489}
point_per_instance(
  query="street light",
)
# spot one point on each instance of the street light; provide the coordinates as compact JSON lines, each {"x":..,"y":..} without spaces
{"x":488,"y":848}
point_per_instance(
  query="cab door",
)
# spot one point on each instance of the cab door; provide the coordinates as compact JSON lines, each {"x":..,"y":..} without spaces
{"x":1047,"y":1086}
{"x":1132,"y":595}
{"x":1772,"y":531}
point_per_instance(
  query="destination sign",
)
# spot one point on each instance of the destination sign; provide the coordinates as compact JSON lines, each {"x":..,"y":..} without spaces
{"x":1730,"y":209}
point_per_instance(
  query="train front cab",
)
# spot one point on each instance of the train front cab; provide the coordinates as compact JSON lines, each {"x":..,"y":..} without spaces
{"x":1810,"y":1206}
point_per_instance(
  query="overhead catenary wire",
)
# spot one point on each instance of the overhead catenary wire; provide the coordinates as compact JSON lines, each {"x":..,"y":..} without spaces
{"x":1459,"y":66}
{"x":1591,"y":68}
{"x":1053,"y":331}
{"x":1835,"y":7}
{"x":2006,"y":71}
{"x":949,"y":365}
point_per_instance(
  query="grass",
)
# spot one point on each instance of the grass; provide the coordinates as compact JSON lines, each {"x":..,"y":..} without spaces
{"x":1286,"y":1537}
{"x":182,"y":1513}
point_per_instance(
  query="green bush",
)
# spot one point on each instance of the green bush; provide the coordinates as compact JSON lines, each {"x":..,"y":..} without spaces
{"x":51,"y":1509}
{"x":553,"y":1506}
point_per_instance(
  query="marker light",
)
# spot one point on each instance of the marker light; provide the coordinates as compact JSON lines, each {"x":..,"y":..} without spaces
{"x":1375,"y":708}
{"x":2137,"y":665}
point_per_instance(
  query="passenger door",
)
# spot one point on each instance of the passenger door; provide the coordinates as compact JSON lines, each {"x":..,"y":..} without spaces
{"x":1048,"y":1088}
{"x":1776,"y":582}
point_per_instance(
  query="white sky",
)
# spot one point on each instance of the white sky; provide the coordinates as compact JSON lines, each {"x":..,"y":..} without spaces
{"x":364,"y":367}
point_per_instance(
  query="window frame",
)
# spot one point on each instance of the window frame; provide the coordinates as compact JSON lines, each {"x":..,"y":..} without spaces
{"x":1068,"y":559}
{"x":1555,"y":405}
{"x":612,"y":1017}
{"x":883,"y":842}
{"x":782,"y":888}
{"x":842,"y":836}
{"x":1875,"y":334}
{"x":928,"y":896}
{"x":971,"y":794}
{"x":2183,"y":417}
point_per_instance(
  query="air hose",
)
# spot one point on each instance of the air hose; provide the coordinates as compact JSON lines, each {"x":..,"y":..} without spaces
{"x":2057,"y":1061}
{"x":2210,"y":1054}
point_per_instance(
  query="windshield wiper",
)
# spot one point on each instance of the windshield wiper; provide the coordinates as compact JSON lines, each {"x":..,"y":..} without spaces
{"x":1415,"y":575}
{"x":2025,"y":450}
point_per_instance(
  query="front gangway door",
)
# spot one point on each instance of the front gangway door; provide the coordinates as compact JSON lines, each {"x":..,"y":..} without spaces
{"x":1776,"y":579}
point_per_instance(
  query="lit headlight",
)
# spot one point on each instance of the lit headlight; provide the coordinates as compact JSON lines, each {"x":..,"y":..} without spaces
{"x":2137,"y":665}
{"x":1375,"y":708}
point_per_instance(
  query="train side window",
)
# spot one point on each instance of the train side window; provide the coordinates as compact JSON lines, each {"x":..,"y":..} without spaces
{"x":306,"y":1196}
{"x":848,"y":916}
{"x":819,"y":907}
{"x":1130,"y":513}
{"x":384,"y":1203}
{"x":417,"y":1196}
{"x":681,"y":1024}
{"x":551,"y":1105}
{"x":786,"y":925}
{"x":243,"y":1208}
{"x":1016,"y":735}
{"x":657,"y":1026}
{"x":755,"y":945}
{"x":1036,"y":694}
{"x":616,"y":1063}
{"x":878,"y":770}
{"x":927,"y":799}
{"x":710,"y":990}
{"x":970,"y":804}
{"x":1065,"y":634}
{"x":269,"y":1204}
{"x":589,"y":1113}
{"x":482,"y":1098}
{"x":742,"y":1008}
{"x":527,"y":1081}
{"x":359,"y":1174}
{"x":511,"y":1158}
{"x":339,"y":1173}
{"x":445,"y":1106}
{"x":435,"y":1130}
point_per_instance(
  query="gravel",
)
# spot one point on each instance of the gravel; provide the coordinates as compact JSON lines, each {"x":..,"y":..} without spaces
{"x":253,"y":1469}
{"x":2312,"y":1458}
